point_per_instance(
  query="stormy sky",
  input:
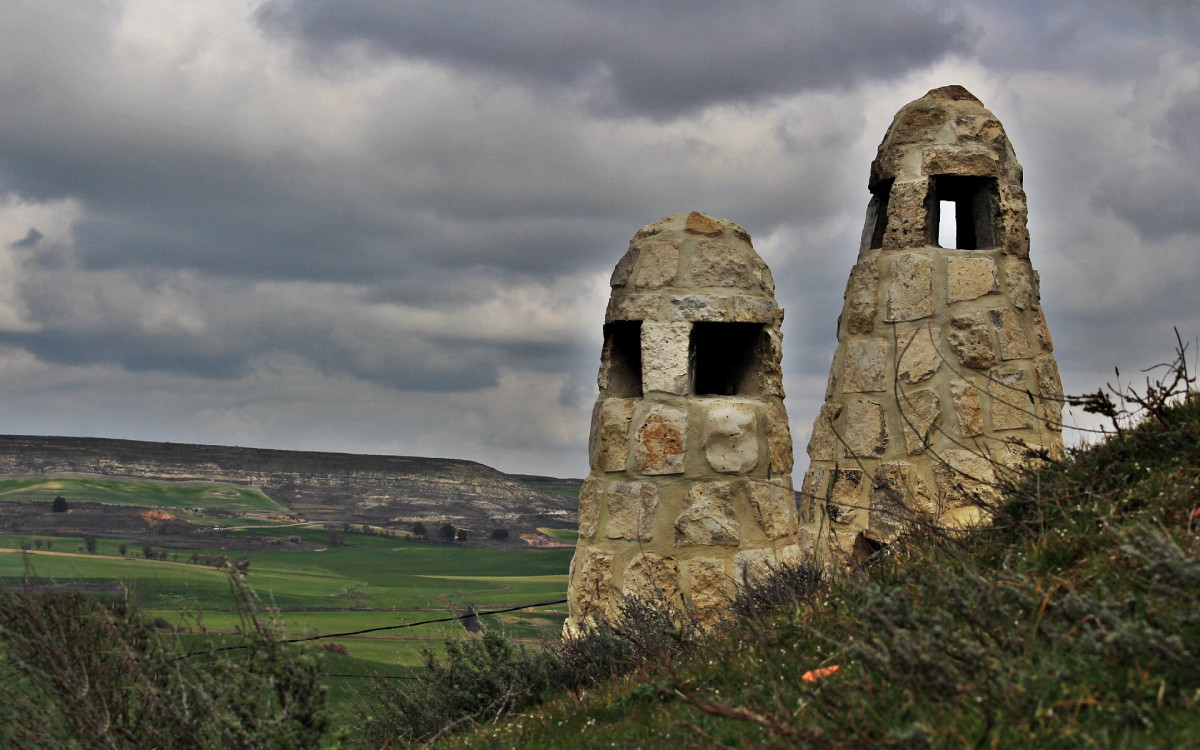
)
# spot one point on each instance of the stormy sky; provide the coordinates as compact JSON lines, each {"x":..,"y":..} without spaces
{"x":381,"y":226}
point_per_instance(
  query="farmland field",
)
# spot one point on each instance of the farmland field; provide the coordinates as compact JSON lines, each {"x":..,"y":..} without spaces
{"x":140,"y":493}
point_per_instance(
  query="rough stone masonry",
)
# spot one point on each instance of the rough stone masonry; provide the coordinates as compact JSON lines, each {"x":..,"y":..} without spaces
{"x":943,"y":367}
{"x":690,"y":490}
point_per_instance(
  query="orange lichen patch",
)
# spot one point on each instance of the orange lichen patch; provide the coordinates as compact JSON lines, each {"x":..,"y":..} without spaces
{"x":813,"y":675}
{"x":663,"y":441}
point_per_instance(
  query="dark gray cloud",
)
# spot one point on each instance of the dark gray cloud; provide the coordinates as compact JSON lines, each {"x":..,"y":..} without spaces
{"x":660,"y":57}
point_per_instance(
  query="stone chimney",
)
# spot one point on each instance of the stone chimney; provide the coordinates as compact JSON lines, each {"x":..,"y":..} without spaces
{"x":690,"y":490}
{"x":943,"y":370}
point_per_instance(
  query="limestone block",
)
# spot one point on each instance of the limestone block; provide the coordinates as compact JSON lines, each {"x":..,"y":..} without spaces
{"x":1013,"y":344}
{"x":979,"y":128}
{"x":631,"y":507}
{"x":774,"y":509}
{"x":889,"y":511}
{"x":971,"y":340}
{"x":1018,"y":284}
{"x":731,"y":437}
{"x":760,"y":276}
{"x":593,"y":584}
{"x":863,"y":429}
{"x":910,"y":296}
{"x":709,"y":589}
{"x":959,"y":160}
{"x":1011,"y":222}
{"x":824,"y":444}
{"x":658,"y":265}
{"x":907,"y":216}
{"x":701,"y":307}
{"x":862,"y":291}
{"x":665,"y":356}
{"x":716,"y":263}
{"x":653,"y":578}
{"x":812,"y":493}
{"x":620,"y":274}
{"x":612,"y":441}
{"x":963,"y":517}
{"x":632,"y":307}
{"x":970,"y":278}
{"x":1013,"y":406}
{"x":652,"y":229}
{"x":919,"y":355}
{"x":921,"y":416}
{"x":922,"y":500}
{"x":754,"y":565}
{"x":660,"y":441}
{"x":968,"y":407}
{"x":1041,"y":330}
{"x":1049,"y":388}
{"x":779,"y":441}
{"x":865,"y":365}
{"x":846,"y":496}
{"x":748,"y":309}
{"x":708,"y":518}
{"x":965,"y":478}
{"x":589,"y":506}
{"x":769,"y":375}
{"x":698,"y":223}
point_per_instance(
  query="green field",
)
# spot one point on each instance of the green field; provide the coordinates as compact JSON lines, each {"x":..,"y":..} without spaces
{"x":566,"y":535}
{"x":139,"y":493}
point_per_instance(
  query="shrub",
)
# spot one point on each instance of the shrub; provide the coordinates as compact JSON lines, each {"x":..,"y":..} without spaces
{"x":59,"y":505}
{"x":448,"y":532}
{"x":418,"y":530}
{"x":500,"y":534}
{"x":90,"y":543}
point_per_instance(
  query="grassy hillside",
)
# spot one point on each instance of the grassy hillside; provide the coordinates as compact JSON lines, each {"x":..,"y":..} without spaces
{"x":1073,"y":621}
{"x":140,"y":493}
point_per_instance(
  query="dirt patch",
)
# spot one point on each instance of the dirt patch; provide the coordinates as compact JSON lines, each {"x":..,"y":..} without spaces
{"x":544,"y":542}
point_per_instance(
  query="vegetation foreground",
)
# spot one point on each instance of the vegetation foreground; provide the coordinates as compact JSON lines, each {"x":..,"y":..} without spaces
{"x":1072,"y":621}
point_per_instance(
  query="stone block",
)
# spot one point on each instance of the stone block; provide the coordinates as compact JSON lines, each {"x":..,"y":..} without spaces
{"x":824,"y":444}
{"x":632,"y":307}
{"x":612,"y":439}
{"x":660,"y":441}
{"x":862,"y":294}
{"x":965,"y":478}
{"x":970,"y":278}
{"x":779,"y":441}
{"x":653,"y":578}
{"x":907,"y":216}
{"x":1018,"y":284}
{"x":592,"y":587}
{"x":705,"y":226}
{"x":968,"y":407}
{"x":701,"y":307}
{"x":624,"y":268}
{"x":1013,"y":405}
{"x":1041,"y":330}
{"x":731,"y":437}
{"x":760,"y":276}
{"x":631,"y":507}
{"x":959,"y":160}
{"x":1049,"y":389}
{"x":708,"y":517}
{"x":716,"y":263}
{"x":709,"y":588}
{"x":747,"y":309}
{"x":921,"y":417}
{"x":769,"y":374}
{"x":665,"y":357}
{"x":921,"y":500}
{"x":971,"y":340}
{"x":812,"y":494}
{"x":754,"y":565}
{"x":1010,"y":333}
{"x":846,"y":497}
{"x":919,"y":355}
{"x":589,"y":506}
{"x":1011,"y":223}
{"x":864,"y":365}
{"x":774,"y":509}
{"x":657,"y":266}
{"x":863,"y":429}
{"x":910,"y":296}
{"x":889,"y":509}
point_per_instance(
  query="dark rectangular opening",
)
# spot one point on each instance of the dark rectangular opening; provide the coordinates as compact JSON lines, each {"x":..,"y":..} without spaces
{"x":879,"y":211}
{"x":975,"y":203}
{"x":724,"y":358}
{"x":621,"y":358}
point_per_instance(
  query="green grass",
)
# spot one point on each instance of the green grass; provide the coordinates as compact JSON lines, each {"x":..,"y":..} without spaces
{"x":140,"y":493}
{"x":566,"y":490}
{"x":566,"y":535}
{"x":1072,"y":621}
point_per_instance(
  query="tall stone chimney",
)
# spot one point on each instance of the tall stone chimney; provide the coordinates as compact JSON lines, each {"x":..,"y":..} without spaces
{"x":690,"y":490}
{"x":943,"y":369}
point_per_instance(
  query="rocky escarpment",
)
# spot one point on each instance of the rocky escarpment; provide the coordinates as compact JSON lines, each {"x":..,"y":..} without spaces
{"x":317,"y":486}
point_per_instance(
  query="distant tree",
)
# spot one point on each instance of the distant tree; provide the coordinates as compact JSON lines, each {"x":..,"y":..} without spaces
{"x":448,"y":532}
{"x":37,"y":543}
{"x":337,"y":538}
{"x":90,"y":543}
{"x":366,"y":528}
{"x":162,"y":555}
{"x":122,"y":548}
{"x":175,"y":557}
{"x":49,"y":542}
{"x":462,"y":535}
{"x":148,"y":552}
{"x":79,"y":548}
{"x":195,"y":558}
{"x":347,"y":527}
{"x":59,"y":505}
{"x":500,"y":534}
{"x":26,"y":545}
{"x":418,"y":529}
